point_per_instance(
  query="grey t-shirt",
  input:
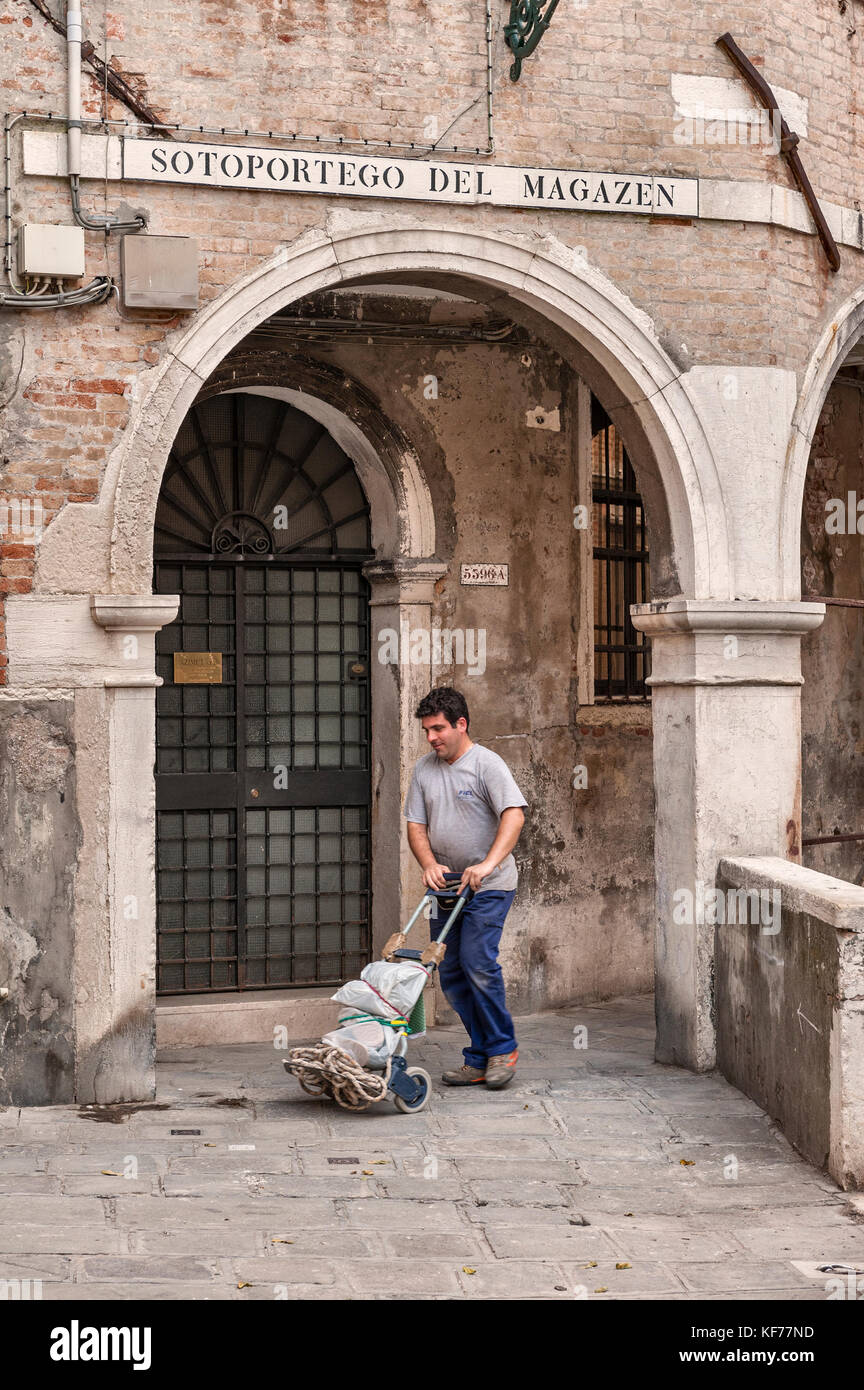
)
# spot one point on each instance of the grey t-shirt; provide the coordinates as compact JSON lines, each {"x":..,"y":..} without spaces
{"x":461,"y":804}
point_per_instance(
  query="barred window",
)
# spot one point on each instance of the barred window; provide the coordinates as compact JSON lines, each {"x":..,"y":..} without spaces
{"x":621,"y":654}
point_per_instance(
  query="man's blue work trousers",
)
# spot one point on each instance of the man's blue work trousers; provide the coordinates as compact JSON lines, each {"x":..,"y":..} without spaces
{"x":471,"y":976}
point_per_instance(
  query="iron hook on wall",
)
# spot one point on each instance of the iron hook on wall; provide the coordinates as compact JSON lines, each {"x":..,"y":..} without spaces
{"x":788,"y":143}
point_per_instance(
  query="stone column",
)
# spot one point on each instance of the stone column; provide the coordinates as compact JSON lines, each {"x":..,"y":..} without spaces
{"x":116,"y":971}
{"x":77,"y":939}
{"x":725,"y":682}
{"x":401,"y":604}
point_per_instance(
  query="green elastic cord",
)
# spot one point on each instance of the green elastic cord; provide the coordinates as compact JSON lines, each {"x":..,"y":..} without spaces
{"x":373,"y":1018}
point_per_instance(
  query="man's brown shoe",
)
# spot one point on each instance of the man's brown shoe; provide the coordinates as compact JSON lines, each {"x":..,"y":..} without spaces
{"x":463,"y":1076}
{"x":500,"y":1070}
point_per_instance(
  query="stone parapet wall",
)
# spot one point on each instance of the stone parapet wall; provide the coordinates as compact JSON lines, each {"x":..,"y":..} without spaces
{"x":789,"y":1001}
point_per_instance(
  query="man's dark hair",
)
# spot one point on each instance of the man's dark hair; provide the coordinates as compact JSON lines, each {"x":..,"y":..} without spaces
{"x":444,"y":700}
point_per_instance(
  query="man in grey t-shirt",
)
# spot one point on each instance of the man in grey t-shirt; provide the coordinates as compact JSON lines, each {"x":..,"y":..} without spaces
{"x":464,"y":814}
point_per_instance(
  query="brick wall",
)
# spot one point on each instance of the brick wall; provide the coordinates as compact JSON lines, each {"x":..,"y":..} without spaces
{"x":597,"y":95}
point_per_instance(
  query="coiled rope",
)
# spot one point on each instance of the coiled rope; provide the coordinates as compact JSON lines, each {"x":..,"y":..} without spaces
{"x":323,"y":1070}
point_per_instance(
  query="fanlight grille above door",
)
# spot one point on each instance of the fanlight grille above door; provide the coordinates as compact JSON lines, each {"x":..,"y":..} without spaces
{"x":248,"y":475}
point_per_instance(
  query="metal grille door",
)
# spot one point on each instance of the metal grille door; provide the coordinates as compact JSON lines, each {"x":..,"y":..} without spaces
{"x":262,"y":778}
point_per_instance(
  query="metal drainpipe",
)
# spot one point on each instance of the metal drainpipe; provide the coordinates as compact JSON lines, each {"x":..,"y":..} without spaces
{"x":490,"y":139}
{"x":73,"y":90}
{"x":99,"y":222}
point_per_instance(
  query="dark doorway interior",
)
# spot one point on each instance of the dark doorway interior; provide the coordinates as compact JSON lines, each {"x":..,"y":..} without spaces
{"x":262,"y":768}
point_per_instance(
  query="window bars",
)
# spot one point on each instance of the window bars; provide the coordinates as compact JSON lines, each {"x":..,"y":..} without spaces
{"x":621,"y":574}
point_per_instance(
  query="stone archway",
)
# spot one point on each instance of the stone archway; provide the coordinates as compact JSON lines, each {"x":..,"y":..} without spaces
{"x":545,"y":276}
{"x":557,"y":286}
{"x":401,"y":586}
{"x":839,"y":337}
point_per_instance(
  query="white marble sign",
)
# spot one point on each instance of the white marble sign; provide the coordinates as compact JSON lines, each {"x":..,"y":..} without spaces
{"x":481,"y":573}
{"x":423,"y":179}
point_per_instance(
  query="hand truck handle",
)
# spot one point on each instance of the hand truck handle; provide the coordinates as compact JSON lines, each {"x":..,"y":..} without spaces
{"x":395,"y":947}
{"x":465,"y":896}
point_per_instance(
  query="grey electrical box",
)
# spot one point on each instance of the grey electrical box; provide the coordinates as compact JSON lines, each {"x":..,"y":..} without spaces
{"x":57,"y":252}
{"x":159,"y":272}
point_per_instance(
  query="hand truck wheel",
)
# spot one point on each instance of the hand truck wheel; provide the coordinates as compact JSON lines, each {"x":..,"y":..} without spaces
{"x":411,"y":1107}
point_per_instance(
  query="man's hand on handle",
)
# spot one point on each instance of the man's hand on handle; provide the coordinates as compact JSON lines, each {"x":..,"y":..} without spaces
{"x":433,"y":875}
{"x":474,"y":875}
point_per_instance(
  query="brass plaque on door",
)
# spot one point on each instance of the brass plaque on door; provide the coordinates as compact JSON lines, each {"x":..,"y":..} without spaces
{"x":197,"y":668}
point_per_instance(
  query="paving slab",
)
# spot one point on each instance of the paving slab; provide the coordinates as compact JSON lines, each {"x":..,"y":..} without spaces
{"x":35,"y":1266}
{"x":550,"y":1242}
{"x":516,"y":1279}
{"x":12,"y":1184}
{"x":402,"y":1278}
{"x":737,"y":1276}
{"x":160,"y":1212}
{"x":302,"y":1270}
{"x":603,"y":1278}
{"x":384,"y":1213}
{"x":422,"y":1189}
{"x":143,"y":1269}
{"x":834,"y":1245}
{"x":71,"y":1240}
{"x":521,"y":1192}
{"x":116,"y":1292}
{"x":231,"y":1239}
{"x":491,"y":1216}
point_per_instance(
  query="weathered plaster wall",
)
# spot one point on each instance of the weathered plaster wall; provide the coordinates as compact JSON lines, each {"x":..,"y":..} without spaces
{"x":832,"y":701}
{"x":39,"y":839}
{"x":503,"y":490}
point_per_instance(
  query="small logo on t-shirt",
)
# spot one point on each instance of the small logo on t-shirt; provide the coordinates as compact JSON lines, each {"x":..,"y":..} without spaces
{"x":466,"y":791}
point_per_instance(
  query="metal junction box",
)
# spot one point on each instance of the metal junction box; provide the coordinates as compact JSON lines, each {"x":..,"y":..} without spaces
{"x":54,"y":251}
{"x":159,"y":272}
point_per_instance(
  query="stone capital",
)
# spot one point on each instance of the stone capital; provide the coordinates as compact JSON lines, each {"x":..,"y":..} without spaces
{"x":403,"y":581}
{"x":720,"y":642}
{"x":133,"y":612}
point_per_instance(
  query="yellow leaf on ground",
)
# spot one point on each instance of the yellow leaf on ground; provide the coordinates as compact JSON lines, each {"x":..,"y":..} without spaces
{"x":602,"y":1289}
{"x":623,"y":1266}
{"x":109,"y":1173}
{"x":687,"y":1162}
{"x":243,"y":1285}
{"x":280,"y":1240}
{"x":466,"y":1269}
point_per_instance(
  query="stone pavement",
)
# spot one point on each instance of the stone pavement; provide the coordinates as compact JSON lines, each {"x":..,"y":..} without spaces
{"x":597,"y":1174}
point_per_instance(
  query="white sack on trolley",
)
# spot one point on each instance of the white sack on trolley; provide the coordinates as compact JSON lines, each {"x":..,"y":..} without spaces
{"x":369,"y":1043}
{"x":388,"y":989}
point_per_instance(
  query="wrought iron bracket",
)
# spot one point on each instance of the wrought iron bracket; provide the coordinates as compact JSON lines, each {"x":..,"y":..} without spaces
{"x":529,"y":20}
